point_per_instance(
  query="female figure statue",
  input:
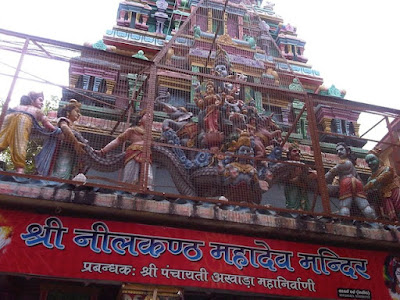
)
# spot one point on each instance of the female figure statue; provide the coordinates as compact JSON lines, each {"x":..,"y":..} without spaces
{"x":17,"y":126}
{"x":61,"y":160}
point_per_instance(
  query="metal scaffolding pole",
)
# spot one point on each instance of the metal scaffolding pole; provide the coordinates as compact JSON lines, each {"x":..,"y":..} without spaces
{"x":17,"y":70}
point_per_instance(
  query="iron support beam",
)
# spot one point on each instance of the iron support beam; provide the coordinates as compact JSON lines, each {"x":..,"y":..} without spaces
{"x":10,"y":91}
{"x":312,"y":126}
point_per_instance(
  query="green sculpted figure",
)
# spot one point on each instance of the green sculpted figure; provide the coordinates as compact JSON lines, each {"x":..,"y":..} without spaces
{"x":297,"y":179}
{"x":196,"y":31}
{"x":251,"y":40}
{"x":383,"y":185}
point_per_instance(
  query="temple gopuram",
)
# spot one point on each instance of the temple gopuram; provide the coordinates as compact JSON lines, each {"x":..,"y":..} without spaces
{"x":193,"y":153}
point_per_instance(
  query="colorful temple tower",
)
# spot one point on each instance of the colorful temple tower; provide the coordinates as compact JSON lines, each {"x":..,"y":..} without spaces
{"x":255,"y":45}
{"x":259,"y":45}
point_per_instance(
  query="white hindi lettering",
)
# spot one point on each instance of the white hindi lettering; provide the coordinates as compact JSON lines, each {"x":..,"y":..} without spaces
{"x":201,"y":275}
{"x":233,"y":279}
{"x":150,"y":270}
{"x":87,"y":267}
{"x":282,"y":283}
{"x":110,"y":268}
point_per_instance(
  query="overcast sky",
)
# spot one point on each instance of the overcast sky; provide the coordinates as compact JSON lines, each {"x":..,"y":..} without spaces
{"x":353,"y":43}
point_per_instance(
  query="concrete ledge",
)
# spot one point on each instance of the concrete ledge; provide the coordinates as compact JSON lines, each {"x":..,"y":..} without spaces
{"x":201,"y":214}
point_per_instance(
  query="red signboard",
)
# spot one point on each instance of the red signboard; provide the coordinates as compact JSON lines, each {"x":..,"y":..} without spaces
{"x":68,"y":247}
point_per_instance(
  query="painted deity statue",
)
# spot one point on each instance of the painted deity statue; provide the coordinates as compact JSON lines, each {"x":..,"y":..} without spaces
{"x":240,"y":174}
{"x":385,"y":185}
{"x":180,"y":122}
{"x":210,"y":103}
{"x":227,"y":126}
{"x":209,"y":116}
{"x":350,"y":185}
{"x":17,"y":126}
{"x":222,"y":68}
{"x":219,"y":104}
{"x":233,"y":108}
{"x":297,"y":179}
{"x":180,"y":130}
{"x":61,"y":156}
{"x":134,"y":154}
{"x":266,"y":133}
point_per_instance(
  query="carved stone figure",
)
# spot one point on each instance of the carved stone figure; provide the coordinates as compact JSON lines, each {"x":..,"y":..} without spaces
{"x":134,"y":154}
{"x":266,"y":133}
{"x":223,"y":68}
{"x":210,"y":104}
{"x":227,"y":126}
{"x":61,"y":156}
{"x":385,"y":186}
{"x":251,"y":40}
{"x":197,"y":173}
{"x":240,"y":174}
{"x":297,"y":180}
{"x":350,"y":185}
{"x":180,"y":122}
{"x":17,"y":126}
{"x":196,"y":31}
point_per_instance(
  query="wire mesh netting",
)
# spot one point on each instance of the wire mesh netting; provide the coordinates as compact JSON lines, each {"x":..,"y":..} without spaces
{"x":226,"y":113}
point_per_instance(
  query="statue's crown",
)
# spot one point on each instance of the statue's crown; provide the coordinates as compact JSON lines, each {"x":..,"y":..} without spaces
{"x":222,"y":58}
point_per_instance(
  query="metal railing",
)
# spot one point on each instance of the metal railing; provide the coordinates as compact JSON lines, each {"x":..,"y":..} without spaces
{"x":236,"y":141}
